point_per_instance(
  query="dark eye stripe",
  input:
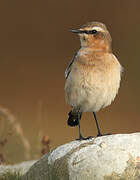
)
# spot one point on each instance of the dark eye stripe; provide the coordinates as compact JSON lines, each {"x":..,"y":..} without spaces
{"x":89,"y":32}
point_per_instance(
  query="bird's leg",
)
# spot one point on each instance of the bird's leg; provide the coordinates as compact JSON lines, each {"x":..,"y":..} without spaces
{"x":79,"y":118}
{"x":98,"y":129}
{"x":80,"y":135}
{"x":97,"y":125}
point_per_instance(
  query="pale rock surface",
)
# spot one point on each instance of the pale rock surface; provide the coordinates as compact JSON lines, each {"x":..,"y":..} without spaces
{"x":113,"y":157}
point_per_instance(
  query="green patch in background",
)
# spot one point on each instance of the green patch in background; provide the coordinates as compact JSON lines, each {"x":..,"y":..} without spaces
{"x":10,"y":176}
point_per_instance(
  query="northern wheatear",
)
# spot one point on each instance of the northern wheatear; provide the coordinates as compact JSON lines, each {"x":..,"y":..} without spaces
{"x":93,"y":75}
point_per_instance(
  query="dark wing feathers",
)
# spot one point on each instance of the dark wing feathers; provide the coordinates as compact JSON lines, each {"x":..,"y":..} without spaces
{"x":68,"y":70}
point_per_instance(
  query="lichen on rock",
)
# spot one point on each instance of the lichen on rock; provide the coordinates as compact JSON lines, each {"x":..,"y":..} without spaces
{"x":132,"y":171}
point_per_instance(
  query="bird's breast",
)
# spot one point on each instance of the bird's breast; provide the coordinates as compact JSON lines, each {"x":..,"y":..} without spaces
{"x":94,"y":84}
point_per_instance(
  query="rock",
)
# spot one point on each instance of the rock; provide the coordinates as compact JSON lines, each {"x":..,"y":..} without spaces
{"x":112,"y":157}
{"x":22,"y":168}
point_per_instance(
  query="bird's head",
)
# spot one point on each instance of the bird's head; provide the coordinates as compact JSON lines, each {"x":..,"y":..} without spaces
{"x":94,"y":35}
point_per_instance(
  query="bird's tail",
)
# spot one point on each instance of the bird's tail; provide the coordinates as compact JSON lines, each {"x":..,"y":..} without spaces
{"x":73,"y":119}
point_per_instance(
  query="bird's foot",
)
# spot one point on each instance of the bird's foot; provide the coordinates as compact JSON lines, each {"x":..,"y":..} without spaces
{"x":99,"y":134}
{"x":84,"y":138}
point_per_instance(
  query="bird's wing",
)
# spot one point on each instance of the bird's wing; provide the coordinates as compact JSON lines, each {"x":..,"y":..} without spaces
{"x":68,"y":70}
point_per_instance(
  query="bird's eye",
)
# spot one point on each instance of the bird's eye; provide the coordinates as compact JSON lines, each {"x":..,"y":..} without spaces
{"x":94,"y":31}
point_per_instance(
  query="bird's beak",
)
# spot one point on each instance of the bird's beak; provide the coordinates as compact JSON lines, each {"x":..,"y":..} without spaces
{"x":76,"y":31}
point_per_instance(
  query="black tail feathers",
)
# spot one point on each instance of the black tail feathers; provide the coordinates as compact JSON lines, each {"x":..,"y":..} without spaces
{"x":73,"y":119}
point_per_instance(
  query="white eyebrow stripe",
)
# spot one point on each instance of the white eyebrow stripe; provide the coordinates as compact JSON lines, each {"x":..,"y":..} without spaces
{"x":97,"y":28}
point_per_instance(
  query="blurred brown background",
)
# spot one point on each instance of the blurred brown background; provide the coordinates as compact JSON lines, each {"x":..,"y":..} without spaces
{"x":35,"y":49}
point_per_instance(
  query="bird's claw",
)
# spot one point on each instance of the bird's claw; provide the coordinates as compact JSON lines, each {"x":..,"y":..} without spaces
{"x":99,"y":134}
{"x":84,"y":138}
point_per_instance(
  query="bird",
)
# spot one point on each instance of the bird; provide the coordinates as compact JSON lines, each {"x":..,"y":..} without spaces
{"x":93,"y":75}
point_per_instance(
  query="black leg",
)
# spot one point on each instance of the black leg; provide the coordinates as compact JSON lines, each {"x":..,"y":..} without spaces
{"x":80,"y":135}
{"x":97,"y":125}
